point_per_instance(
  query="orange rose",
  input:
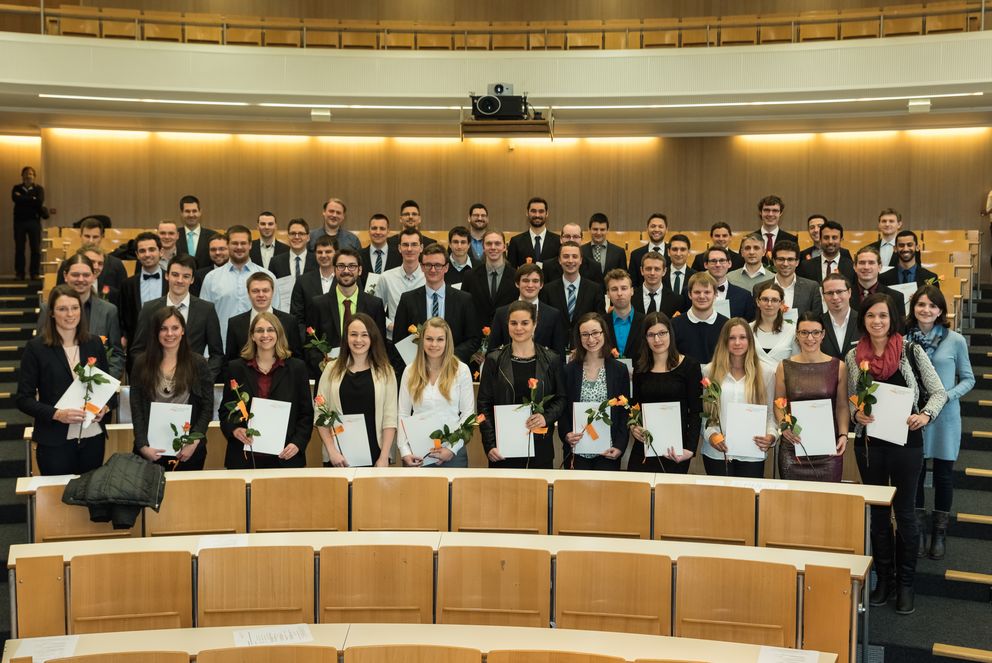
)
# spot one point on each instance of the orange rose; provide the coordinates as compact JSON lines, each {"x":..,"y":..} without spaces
{"x":622,"y":400}
{"x":310,"y":331}
{"x":788,"y":418}
{"x":785,"y":308}
{"x":480,"y":418}
{"x":412,"y":329}
{"x":636,"y":407}
{"x":91,"y":361}
{"x":476,"y":375}
{"x":186,"y":427}
{"x":717,"y":438}
{"x":532,"y":383}
{"x":106,"y":289}
{"x":615,"y":353}
{"x":781,"y":403}
{"x":677,"y":314}
{"x":319,"y":399}
{"x":103,"y":339}
{"x":706,"y":383}
{"x":234,"y":383}
{"x":529,"y":260}
{"x":437,"y":443}
{"x":486,"y":331}
{"x":864,"y":366}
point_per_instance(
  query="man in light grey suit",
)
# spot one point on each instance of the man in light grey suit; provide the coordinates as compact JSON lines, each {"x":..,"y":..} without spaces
{"x":102,"y":317}
{"x":800,"y":294}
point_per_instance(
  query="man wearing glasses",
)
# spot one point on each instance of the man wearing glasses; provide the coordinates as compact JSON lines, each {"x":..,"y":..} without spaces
{"x":298,"y":260}
{"x":717,"y":263}
{"x":398,"y":280}
{"x":437,"y":299}
{"x":840,"y":331}
{"x":800,"y":294}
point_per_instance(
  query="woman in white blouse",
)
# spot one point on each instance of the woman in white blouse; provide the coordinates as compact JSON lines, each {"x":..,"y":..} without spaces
{"x":743,"y":378}
{"x":439,"y":385}
{"x":774,"y":337}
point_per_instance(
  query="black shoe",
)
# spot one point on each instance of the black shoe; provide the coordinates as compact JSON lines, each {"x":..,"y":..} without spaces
{"x":884,"y":590}
{"x":938,"y":539}
{"x":904,"y":600}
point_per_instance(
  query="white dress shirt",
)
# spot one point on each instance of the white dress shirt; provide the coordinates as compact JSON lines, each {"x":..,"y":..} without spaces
{"x":733,"y":391}
{"x":432,"y":402}
{"x":182,"y":305}
{"x":886,"y":248}
{"x":266,"y":251}
{"x":392,"y":285}
{"x":840,"y":331}
{"x":790,"y":290}
{"x":710,"y":320}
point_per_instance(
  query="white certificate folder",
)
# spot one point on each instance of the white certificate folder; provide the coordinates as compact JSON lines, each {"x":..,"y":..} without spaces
{"x":891,"y":413}
{"x":664,"y":421}
{"x":816,"y":419}
{"x":512,"y":437}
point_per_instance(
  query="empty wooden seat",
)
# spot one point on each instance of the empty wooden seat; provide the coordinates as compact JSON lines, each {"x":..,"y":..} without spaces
{"x":203,"y":28}
{"x":736,"y":30}
{"x":700,"y":31}
{"x":860,"y":23}
{"x":359,"y":34}
{"x":82,"y":21}
{"x":509,"y":35}
{"x":777,"y":28}
{"x":299,"y":504}
{"x":199,"y":506}
{"x":243,"y":30}
{"x":437,"y":36}
{"x":126,"y":657}
{"x":546,"y":35}
{"x":498,"y":504}
{"x":399,"y":503}
{"x":815,"y":521}
{"x":411,"y":654}
{"x":602,"y":508}
{"x":383,"y":583}
{"x":539,"y":656}
{"x":472,"y":35}
{"x":397,"y":35}
{"x":660,"y":33}
{"x":818,"y":25}
{"x":584,"y":35}
{"x":57,"y":521}
{"x":131,"y":592}
{"x":711,"y":514}
{"x":258,"y":585}
{"x":321,"y":33}
{"x":120,"y":23}
{"x":623,"y":592}
{"x":283,"y":32}
{"x":902,"y":20}
{"x":493,"y":586}
{"x":270,"y":654}
{"x":621,"y":34}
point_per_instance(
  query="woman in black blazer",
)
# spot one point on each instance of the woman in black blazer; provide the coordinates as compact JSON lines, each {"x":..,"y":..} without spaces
{"x":169,"y":372}
{"x":266,"y":369}
{"x":46,"y":372}
{"x":594,"y":375}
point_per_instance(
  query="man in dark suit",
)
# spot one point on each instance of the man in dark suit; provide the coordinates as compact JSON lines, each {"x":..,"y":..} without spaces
{"x":678,"y":272}
{"x":260,"y":288}
{"x":889,"y":225}
{"x":538,"y":243}
{"x":460,"y":258}
{"x":653,"y":294}
{"x":599,"y":251}
{"x":436,"y":298}
{"x":657,"y":228}
{"x":831,"y":258}
{"x":148,"y":282}
{"x":625,"y":323}
{"x":867,"y":265}
{"x":266,"y":246}
{"x":840,"y":323}
{"x":572,"y":294}
{"x":718,"y":266}
{"x":380,"y":255}
{"x":800,"y":294}
{"x":492,"y":283}
{"x":770,"y":211}
{"x":106,"y":291}
{"x":813,"y":225}
{"x":202,"y":326}
{"x":314,"y":283}
{"x":552,"y":268}
{"x":720,"y":236}
{"x":409,"y":218}
{"x":297,"y":254}
{"x":908,"y":269}
{"x":113,"y":272}
{"x":194,"y":239}
{"x":550,"y":331}
{"x":219,"y":255}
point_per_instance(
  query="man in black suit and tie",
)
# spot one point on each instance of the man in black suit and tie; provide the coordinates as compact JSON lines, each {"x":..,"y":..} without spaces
{"x":266,"y":246}
{"x":653,"y":295}
{"x":908,"y":268}
{"x":572,"y":294}
{"x":623,"y":321}
{"x":718,"y":266}
{"x":678,"y":272}
{"x":460,"y":258}
{"x":113,"y":274}
{"x":106,"y":291}
{"x":720,"y":236}
{"x":297,"y":259}
{"x":410,"y":218}
{"x":380,"y":255}
{"x":800,"y":294}
{"x":492,"y":283}
{"x":314,"y":283}
{"x":770,"y":211}
{"x":219,"y":255}
{"x":657,"y":228}
{"x":840,"y":328}
{"x":194,"y":239}
{"x":148,"y":282}
{"x":867,"y":266}
{"x":550,"y":331}
{"x":831,"y":258}
{"x":261,"y":287}
{"x":437,"y":299}
{"x":889,"y":225}
{"x":604,"y":254}
{"x":538,"y":243}
{"x":571,"y":232}
{"x":202,"y":326}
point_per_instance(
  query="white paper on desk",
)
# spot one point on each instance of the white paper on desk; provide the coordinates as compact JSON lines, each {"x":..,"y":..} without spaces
{"x":408,"y":348}
{"x":816,"y":418}
{"x":907,"y":290}
{"x":160,"y":415}
{"x":46,"y":649}
{"x":371,"y":283}
{"x":271,"y":419}
{"x":744,"y":422}
{"x":891,"y":412}
{"x":513,"y":440}
{"x":781,"y":655}
{"x":75,"y":397}
{"x":353,"y":441}
{"x":272,"y":635}
{"x":722,"y":307}
{"x":284,"y":286}
{"x":587,"y":445}
{"x":416,"y":430}
{"x":664,"y":421}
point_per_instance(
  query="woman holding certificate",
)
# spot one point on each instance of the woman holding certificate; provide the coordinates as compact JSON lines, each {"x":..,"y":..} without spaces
{"x":774,"y":337}
{"x":47,"y":369}
{"x":593,"y":377}
{"x":516,"y":375}
{"x":948,"y":352}
{"x":437,"y":386}
{"x":169,"y":372}
{"x":745,"y":380}
{"x":664,"y":376}
{"x":807,"y":381}
{"x":361,"y":382}
{"x":267,"y":370}
{"x":882,"y":357}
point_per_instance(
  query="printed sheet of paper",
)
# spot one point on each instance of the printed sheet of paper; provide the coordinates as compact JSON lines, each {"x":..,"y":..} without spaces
{"x":893,"y":408}
{"x":512,"y":437}
{"x":816,"y":418}
{"x":907,"y":290}
{"x":273,"y":635}
{"x":160,"y":415}
{"x":46,"y":649}
{"x":407,"y":349}
{"x":284,"y":286}
{"x":353,"y":442}
{"x":664,"y":421}
{"x":124,"y":405}
{"x":371,"y":282}
{"x":75,"y":397}
{"x":218,"y":401}
{"x":416,"y":430}
{"x":587,"y":445}
{"x":722,"y":307}
{"x":271,"y":420}
{"x":783,"y":655}
{"x":792,"y":315}
{"x":744,"y":422}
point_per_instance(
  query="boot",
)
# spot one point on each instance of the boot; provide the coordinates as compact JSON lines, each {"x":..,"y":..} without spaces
{"x":939,"y":536}
{"x":921,"y":525}
{"x":904,"y":600}
{"x":884,"y":561}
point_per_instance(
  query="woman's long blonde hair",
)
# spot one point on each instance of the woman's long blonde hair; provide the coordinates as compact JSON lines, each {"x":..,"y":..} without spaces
{"x":419,"y":379}
{"x":754,"y":383}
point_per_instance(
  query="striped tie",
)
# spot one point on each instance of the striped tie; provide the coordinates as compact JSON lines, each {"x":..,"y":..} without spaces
{"x":570,"y":303}
{"x":436,"y":306}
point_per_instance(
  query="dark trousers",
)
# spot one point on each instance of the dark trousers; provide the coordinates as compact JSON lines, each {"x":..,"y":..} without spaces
{"x":575,"y":462}
{"x":238,"y":459}
{"x":884,"y":464}
{"x":735,"y":468}
{"x":30,"y":232}
{"x":194,"y":463}
{"x":70,"y":457}
{"x":943,"y":485}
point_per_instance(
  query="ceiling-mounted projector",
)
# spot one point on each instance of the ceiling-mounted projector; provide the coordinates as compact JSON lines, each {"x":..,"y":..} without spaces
{"x":499,"y":104}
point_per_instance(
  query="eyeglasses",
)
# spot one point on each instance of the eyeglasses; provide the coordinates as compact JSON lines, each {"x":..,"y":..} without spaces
{"x":593,"y":334}
{"x":769,"y":300}
{"x":834,"y":293}
{"x":347,"y":268}
{"x":433,"y":266}
{"x":298,"y":234}
{"x":810,"y":333}
{"x":784,"y":259}
{"x":67,"y":309}
{"x":657,"y":335}
{"x":718,"y":261}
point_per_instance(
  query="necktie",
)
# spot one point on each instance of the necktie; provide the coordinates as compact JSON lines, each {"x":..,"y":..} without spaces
{"x":830,"y":267}
{"x":570,"y":303}
{"x":657,"y":249}
{"x":905,"y":276}
{"x":597,"y":254}
{"x":436,"y":306}
{"x":677,"y":288}
{"x":297,"y":266}
{"x":769,"y":244}
{"x":722,"y":288}
{"x":347,"y":315}
{"x":537,"y":249}
{"x":653,"y":306}
{"x":190,"y":238}
{"x":378,"y":261}
{"x":182,"y":309}
{"x":150,"y":276}
{"x":865,"y":293}
{"x":492,"y":285}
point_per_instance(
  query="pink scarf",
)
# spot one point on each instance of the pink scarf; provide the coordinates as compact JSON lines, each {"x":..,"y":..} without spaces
{"x":881,"y":368}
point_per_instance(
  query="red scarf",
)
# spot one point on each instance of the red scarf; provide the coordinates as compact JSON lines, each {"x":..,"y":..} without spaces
{"x":881,"y":368}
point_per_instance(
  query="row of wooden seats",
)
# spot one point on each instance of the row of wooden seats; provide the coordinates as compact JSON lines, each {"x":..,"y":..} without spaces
{"x":661,"y":588}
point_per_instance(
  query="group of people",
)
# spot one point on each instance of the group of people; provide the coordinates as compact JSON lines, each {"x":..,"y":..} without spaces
{"x":544,"y":321}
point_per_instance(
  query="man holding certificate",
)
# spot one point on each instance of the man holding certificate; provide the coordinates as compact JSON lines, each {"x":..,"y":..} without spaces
{"x":889,"y":437}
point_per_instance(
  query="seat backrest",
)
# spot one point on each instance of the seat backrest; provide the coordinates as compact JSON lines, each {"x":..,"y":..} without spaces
{"x":126,"y":657}
{"x":258,"y":585}
{"x":199,"y":506}
{"x":275,"y":504}
{"x":411,"y":654}
{"x":376,"y":502}
{"x":602,"y":508}
{"x":811,"y":520}
{"x":711,"y":514}
{"x":525,"y":656}
{"x":499,"y":504}
{"x":270,"y":654}
{"x":58,"y":521}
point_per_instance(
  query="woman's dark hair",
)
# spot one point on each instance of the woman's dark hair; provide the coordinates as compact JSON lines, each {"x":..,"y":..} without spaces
{"x":779,"y":318}
{"x":809,"y":316}
{"x":580,"y":352}
{"x":147,"y":365}
{"x":378,"y":359}
{"x":49,"y":333}
{"x":645,"y":362}
{"x":521,"y":305}
{"x":895,"y":315}
{"x":76,"y":258}
{"x":934,"y":294}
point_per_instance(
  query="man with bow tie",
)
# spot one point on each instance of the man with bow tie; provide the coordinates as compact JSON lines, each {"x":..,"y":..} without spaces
{"x":148,"y":282}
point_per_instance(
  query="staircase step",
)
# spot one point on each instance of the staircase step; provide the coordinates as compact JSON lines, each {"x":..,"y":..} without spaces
{"x":17,"y":331}
{"x":977,"y":518}
{"x":962,"y":653}
{"x":23,"y":288}
{"x":936,"y":617}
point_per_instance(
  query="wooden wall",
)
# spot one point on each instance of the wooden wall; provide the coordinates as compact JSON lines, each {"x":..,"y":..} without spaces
{"x":15,"y":153}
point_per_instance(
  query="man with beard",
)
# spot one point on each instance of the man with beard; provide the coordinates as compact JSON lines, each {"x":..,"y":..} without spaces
{"x":538,"y":243}
{"x":410,"y":219}
{"x":218,"y":252}
{"x":657,"y":228}
{"x":334,"y":212}
{"x":478,"y":224}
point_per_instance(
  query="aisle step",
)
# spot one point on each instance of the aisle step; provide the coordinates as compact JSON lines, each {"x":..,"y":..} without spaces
{"x":962,"y":653}
{"x":17,"y":331}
